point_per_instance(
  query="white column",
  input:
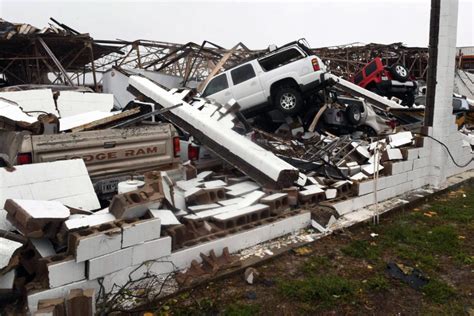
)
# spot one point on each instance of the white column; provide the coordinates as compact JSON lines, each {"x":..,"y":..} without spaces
{"x":444,"y":127}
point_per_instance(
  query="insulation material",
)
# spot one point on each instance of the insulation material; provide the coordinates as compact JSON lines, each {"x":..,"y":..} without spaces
{"x":14,"y":112}
{"x":66,"y":181}
{"x":33,"y":100}
{"x":72,"y":103}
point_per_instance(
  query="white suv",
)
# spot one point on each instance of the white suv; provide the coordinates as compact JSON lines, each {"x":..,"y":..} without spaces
{"x":280,"y":78}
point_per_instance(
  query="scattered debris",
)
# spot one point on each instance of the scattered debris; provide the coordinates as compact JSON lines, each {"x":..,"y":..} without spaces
{"x":412,"y":276}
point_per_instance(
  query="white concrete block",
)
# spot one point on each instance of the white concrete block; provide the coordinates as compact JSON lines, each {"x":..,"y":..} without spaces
{"x":242,"y":188}
{"x":344,"y":207}
{"x":151,"y":250}
{"x":393,"y":154}
{"x":273,"y":197}
{"x":34,"y":296}
{"x":370,"y":169}
{"x":240,"y":212}
{"x":203,"y":207}
{"x":7,"y":250}
{"x":83,"y":221}
{"x":141,"y":231}
{"x":109,"y":263}
{"x":359,"y":177}
{"x":43,"y":209}
{"x":43,"y":246}
{"x":412,"y":153}
{"x":214,"y":184}
{"x":161,"y":268}
{"x":182,"y":258}
{"x":65,"y":272}
{"x":167,"y":217}
{"x":7,"y":280}
{"x":331,"y":193}
{"x":400,"y":139}
{"x":98,"y":245}
{"x":230,"y":201}
{"x":420,"y":163}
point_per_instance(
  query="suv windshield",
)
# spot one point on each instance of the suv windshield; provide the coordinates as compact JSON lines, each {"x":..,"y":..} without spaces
{"x":279,"y":59}
{"x":217,"y":84}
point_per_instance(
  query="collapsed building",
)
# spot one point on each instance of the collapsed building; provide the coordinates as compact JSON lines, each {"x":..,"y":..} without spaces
{"x":172,"y":225}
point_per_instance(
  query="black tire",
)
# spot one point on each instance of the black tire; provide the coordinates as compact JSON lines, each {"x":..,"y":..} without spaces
{"x":408,"y":100}
{"x":288,"y":100}
{"x":399,"y":72}
{"x":353,"y":114}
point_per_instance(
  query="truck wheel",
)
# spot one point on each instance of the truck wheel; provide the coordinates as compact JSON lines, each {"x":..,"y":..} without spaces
{"x":288,"y":100}
{"x":353,"y":114}
{"x":399,"y":72}
{"x":408,"y":99}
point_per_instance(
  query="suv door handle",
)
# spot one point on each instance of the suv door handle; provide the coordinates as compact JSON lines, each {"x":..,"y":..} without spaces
{"x":253,"y":83}
{"x":227,"y":93}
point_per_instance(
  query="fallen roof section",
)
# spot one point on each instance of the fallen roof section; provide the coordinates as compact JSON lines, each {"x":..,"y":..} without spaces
{"x":250,"y":158}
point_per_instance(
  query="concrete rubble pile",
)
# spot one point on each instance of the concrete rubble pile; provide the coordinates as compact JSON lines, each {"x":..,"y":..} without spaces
{"x":66,"y":249}
{"x":65,"y":253}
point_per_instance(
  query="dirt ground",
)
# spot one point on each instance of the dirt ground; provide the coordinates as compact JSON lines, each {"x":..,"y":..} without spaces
{"x":346,"y":273}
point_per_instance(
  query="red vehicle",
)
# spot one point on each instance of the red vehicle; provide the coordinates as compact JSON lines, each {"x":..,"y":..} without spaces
{"x":387,"y":81}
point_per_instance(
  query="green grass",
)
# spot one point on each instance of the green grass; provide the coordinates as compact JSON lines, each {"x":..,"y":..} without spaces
{"x":242,"y":310}
{"x":438,"y":291}
{"x":325,"y":289}
{"x":316,"y":264}
{"x":361,"y":249}
{"x":437,"y":245}
{"x":377,"y":283}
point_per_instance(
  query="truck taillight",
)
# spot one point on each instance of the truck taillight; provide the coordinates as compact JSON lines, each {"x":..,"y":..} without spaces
{"x":315,"y":63}
{"x":23,"y":159}
{"x":193,"y":152}
{"x":176,"y":146}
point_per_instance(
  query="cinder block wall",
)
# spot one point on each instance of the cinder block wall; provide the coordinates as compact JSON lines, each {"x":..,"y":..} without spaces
{"x":444,"y":126}
{"x":430,"y":164}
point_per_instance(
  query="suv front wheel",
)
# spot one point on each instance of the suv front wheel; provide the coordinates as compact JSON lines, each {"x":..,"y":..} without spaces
{"x":288,"y":100}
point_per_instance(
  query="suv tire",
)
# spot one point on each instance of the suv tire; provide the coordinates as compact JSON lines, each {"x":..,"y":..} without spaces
{"x":408,"y":99}
{"x":288,"y":100}
{"x":353,"y":114}
{"x":399,"y":72}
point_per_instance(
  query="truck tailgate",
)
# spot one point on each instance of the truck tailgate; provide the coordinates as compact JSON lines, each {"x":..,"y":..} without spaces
{"x":111,"y":151}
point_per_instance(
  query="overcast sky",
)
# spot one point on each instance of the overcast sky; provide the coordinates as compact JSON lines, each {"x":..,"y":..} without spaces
{"x":257,"y":24}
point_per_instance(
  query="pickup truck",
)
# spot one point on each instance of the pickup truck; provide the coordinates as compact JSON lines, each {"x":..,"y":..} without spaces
{"x":279,"y":78}
{"x":110,"y":155}
{"x":387,"y":81}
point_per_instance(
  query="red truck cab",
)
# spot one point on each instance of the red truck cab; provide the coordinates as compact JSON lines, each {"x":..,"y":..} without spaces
{"x":387,"y":81}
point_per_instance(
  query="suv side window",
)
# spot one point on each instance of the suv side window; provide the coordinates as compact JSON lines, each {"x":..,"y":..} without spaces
{"x":242,"y":74}
{"x":217,"y":84}
{"x":280,"y":59}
